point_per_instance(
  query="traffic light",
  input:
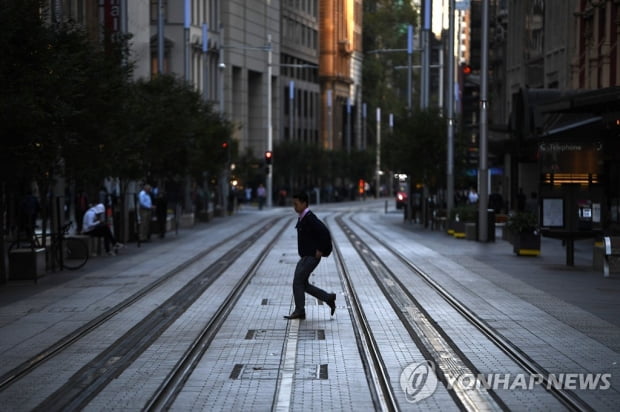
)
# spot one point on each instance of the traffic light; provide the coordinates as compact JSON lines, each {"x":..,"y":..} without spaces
{"x":225,"y":151}
{"x":466,"y":69}
{"x":268,"y":157}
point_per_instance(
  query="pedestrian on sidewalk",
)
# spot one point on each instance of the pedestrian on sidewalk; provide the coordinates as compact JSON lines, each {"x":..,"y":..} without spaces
{"x":94,"y":225}
{"x":313,"y":242}
{"x":261,"y":193}
{"x":146,"y":212}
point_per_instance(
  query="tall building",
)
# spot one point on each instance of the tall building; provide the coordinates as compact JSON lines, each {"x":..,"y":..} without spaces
{"x":299,"y":68}
{"x":225,"y":49}
{"x":340,"y":25}
{"x":250,"y":37}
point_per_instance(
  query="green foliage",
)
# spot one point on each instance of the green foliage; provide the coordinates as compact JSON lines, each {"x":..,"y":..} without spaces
{"x":418,"y":147}
{"x":68,"y":107}
{"x":521,"y":222}
{"x":385,"y":27}
{"x":465,"y":213}
{"x":298,"y":165}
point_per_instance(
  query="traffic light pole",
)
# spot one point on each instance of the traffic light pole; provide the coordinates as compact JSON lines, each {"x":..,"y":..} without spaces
{"x":269,"y":121}
{"x":483,"y":168}
{"x":450,"y":112}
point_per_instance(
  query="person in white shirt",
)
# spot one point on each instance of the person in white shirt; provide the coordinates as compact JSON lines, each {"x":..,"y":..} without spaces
{"x":146,"y":212}
{"x":472,"y":196}
{"x":93,"y":225}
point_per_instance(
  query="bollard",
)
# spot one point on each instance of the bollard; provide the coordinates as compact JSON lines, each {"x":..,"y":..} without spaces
{"x":386,"y":206}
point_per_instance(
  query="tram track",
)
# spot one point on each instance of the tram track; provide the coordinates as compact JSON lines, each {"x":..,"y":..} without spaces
{"x":428,"y":336}
{"x":376,"y":372}
{"x":144,"y":331}
{"x":166,"y":393}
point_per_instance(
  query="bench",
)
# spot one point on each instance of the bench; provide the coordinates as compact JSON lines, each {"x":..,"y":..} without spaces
{"x":611,"y":262}
{"x":94,"y":244}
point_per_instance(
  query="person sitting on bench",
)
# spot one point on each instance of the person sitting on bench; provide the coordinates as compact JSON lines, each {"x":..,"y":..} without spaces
{"x":94,"y":225}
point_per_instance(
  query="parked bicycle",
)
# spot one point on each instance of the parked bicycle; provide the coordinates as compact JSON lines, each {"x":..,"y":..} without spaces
{"x":67,"y":252}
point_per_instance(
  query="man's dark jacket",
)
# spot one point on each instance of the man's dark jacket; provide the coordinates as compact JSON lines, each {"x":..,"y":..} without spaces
{"x":312,"y":235}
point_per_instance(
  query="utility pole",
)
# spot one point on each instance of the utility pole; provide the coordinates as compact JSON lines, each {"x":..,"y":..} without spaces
{"x":483,"y":168}
{"x":450,"y":112}
{"x":378,"y":163}
{"x":269,"y":120}
{"x":205,"y":61}
{"x":409,"y":69}
{"x":348,"y":125}
{"x":160,"y":36}
{"x":187,"y":22}
{"x":426,"y":55}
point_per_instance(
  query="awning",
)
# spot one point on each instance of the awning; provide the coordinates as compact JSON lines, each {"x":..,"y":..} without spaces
{"x":560,"y":123}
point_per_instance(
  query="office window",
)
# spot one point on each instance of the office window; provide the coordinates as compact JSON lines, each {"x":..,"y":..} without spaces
{"x":154,"y":10}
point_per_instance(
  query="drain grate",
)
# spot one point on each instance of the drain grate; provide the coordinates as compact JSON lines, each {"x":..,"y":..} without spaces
{"x":254,"y":372}
{"x":280,"y":334}
{"x":264,"y":334}
{"x":312,"y":334}
{"x":270,"y":372}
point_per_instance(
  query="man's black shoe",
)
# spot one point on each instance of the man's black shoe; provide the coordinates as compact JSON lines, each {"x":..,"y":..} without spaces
{"x":295,"y":315}
{"x":332,"y":303}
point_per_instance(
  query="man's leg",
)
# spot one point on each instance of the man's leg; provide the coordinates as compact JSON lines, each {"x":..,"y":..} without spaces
{"x":304,"y":268}
{"x":144,"y":224}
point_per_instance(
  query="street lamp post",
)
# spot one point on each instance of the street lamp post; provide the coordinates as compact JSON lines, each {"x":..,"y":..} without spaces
{"x":205,"y":61}
{"x":450,"y":112}
{"x":483,"y":171}
{"x":269,"y":120}
{"x":187,"y":22}
{"x":378,"y":162}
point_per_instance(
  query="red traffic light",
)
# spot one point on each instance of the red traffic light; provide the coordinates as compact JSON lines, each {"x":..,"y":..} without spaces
{"x":268,"y":156}
{"x":224,"y":145}
{"x":466,"y":69}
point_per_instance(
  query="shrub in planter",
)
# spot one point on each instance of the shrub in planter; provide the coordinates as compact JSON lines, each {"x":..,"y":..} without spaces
{"x":523,"y":227}
{"x":459,"y":216}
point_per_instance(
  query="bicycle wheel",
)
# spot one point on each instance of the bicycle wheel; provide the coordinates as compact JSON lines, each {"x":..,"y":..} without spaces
{"x":75,"y":253}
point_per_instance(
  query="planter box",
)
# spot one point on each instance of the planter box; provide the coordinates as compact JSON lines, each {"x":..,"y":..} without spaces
{"x":526,"y":244}
{"x":186,"y":221}
{"x":26,"y":264}
{"x":458,"y":229}
{"x":471,"y":232}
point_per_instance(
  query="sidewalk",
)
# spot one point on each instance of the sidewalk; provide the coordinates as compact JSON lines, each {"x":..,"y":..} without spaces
{"x":547,"y":274}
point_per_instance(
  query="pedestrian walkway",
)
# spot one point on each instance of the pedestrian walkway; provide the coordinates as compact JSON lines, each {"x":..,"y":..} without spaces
{"x":580,"y":284}
{"x":533,"y":299}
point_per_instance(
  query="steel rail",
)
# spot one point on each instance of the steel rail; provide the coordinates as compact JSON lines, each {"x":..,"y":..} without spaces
{"x":28,"y":366}
{"x":570,"y":400}
{"x":165,"y":395}
{"x":425,"y":332}
{"x":376,"y":372}
{"x":94,"y":376}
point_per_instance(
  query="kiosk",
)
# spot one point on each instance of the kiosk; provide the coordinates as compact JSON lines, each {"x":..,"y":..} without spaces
{"x":571,"y":192}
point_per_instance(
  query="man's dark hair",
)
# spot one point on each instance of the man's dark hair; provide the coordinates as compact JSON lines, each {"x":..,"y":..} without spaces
{"x":302,"y":197}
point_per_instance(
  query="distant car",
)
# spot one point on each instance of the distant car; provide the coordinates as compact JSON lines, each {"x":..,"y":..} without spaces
{"x":401,"y":196}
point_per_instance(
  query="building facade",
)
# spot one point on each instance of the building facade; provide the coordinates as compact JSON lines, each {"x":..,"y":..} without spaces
{"x":299,"y":62}
{"x":226,"y":50}
{"x":340,"y":25}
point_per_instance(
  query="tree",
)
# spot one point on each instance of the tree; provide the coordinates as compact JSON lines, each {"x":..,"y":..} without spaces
{"x":385,"y":28}
{"x":418,"y":147}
